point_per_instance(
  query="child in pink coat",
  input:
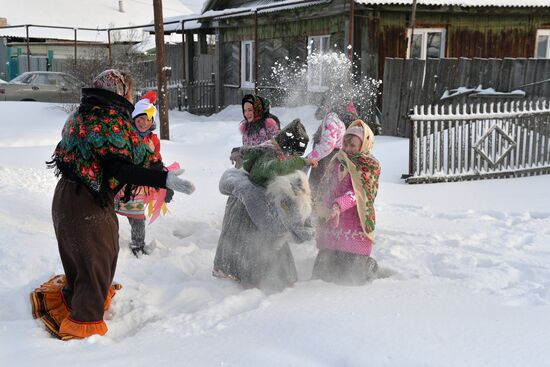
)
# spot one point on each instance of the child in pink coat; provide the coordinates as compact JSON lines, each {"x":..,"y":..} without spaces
{"x":328,"y":139}
{"x":345,"y":206}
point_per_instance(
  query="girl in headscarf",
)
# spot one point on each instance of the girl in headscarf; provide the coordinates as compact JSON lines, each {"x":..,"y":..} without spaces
{"x":258,"y":125}
{"x":345,"y":207}
{"x":99,"y":152}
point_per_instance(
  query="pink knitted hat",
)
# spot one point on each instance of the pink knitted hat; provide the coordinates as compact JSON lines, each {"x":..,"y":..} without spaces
{"x":355,"y":131}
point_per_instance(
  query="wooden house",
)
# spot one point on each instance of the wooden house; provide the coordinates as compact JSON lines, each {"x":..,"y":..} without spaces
{"x":251,"y":36}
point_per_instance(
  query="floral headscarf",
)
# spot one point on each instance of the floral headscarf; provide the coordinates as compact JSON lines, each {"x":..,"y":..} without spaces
{"x":112,"y":80}
{"x":259,"y":104}
{"x":346,"y":112}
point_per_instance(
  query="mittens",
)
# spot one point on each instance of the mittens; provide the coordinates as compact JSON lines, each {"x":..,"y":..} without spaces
{"x":175,"y":183}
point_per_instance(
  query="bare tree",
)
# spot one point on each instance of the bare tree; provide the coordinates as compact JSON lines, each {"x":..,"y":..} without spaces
{"x":125,"y":56}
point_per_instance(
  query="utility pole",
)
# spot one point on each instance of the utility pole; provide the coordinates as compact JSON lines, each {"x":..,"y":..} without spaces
{"x":28,"y":49}
{"x":161,"y":71}
{"x":255,"y":74}
{"x":409,"y":50}
{"x":351,"y":29}
{"x":110,"y":48}
{"x":412,"y":25}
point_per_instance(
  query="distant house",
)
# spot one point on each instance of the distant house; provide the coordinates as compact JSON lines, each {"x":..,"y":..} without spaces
{"x":45,"y":44}
{"x":250,"y":36}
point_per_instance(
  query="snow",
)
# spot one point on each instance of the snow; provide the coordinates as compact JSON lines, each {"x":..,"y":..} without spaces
{"x":193,"y":21}
{"x":465,"y":3}
{"x":104,"y":14}
{"x":480,"y":91}
{"x":480,"y":110}
{"x":464,"y":278}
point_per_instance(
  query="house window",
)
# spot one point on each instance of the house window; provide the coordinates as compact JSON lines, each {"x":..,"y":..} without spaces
{"x":211,"y":39}
{"x":317,"y":46}
{"x":247,"y":64}
{"x":426,"y":43}
{"x":542,"y":48}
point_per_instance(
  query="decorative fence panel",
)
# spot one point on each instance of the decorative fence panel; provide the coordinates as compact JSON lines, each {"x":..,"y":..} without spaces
{"x":176,"y":93}
{"x":455,"y":143}
{"x":202,"y":100}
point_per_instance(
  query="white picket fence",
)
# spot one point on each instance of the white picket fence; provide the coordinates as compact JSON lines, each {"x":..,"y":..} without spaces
{"x":455,"y":143}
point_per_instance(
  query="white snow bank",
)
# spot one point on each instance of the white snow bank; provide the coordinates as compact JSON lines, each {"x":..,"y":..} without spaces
{"x":464,"y":269}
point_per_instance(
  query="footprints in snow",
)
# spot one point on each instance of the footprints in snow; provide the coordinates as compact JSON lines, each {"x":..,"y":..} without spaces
{"x":487,"y":250}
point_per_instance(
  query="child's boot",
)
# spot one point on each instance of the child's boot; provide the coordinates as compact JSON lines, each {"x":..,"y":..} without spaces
{"x":138,"y":249}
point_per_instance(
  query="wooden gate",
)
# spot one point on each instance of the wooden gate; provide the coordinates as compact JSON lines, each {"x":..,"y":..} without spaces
{"x":198,"y":98}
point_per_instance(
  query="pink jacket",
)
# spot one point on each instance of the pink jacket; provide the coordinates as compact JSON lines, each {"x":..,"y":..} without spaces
{"x":264,"y":134}
{"x":348,"y":236}
{"x":332,"y":136}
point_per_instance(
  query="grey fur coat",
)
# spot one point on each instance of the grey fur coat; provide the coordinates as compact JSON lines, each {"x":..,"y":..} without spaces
{"x":258,"y":224}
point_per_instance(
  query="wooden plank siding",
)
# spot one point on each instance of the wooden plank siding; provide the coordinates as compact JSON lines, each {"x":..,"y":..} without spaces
{"x":392,"y":85}
{"x":478,"y":44}
{"x":277,"y":41}
{"x":483,"y":46}
{"x":470,"y":32}
{"x":283,"y":25}
{"x":280,"y":35}
{"x":410,"y":83}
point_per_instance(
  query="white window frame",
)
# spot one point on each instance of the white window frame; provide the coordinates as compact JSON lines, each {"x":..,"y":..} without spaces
{"x":318,"y":87}
{"x":542,"y":32}
{"x":424,"y":46}
{"x":247,"y":83}
{"x":211,"y":39}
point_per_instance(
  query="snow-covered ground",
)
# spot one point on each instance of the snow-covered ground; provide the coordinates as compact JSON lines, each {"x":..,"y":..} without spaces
{"x":464,"y":280}
{"x":80,"y":14}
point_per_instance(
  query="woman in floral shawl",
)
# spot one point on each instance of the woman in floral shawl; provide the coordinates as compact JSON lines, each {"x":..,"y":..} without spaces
{"x":99,"y":151}
{"x":345,"y":207}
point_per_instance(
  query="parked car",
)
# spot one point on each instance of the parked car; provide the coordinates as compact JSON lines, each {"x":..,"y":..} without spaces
{"x":2,"y":81}
{"x":42,"y":86}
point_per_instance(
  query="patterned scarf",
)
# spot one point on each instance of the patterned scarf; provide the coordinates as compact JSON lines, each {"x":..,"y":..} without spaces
{"x":261,"y":108}
{"x":112,"y":80}
{"x":364,"y":170}
{"x":100,"y":129}
{"x":259,"y":104}
{"x":347,"y":113}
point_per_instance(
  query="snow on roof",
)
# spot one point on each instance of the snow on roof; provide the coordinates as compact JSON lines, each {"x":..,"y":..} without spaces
{"x":176,"y":27}
{"x":266,"y":6}
{"x":71,"y":13}
{"x":464,"y":3}
{"x":195,"y":5}
{"x":263,"y":6}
